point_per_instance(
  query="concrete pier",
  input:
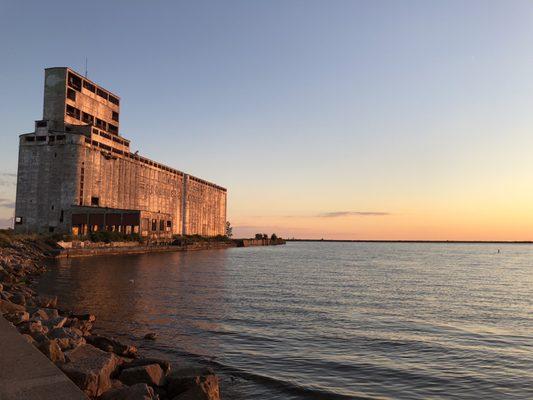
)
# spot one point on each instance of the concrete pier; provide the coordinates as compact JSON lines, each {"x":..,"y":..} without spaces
{"x":26,"y":373}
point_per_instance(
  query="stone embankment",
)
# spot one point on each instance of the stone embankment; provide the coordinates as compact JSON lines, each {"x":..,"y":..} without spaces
{"x":102,"y":367}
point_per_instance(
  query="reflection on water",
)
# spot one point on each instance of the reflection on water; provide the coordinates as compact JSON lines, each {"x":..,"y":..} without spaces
{"x":324,"y":320}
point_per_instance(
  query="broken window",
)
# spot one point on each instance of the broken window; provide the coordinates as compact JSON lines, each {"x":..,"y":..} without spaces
{"x":74,"y":81}
{"x":162,"y":225}
{"x":95,"y":201}
{"x":112,"y":128}
{"x":113,"y":100}
{"x":89,"y":86}
{"x":101,"y":93}
{"x":100,"y":124}
{"x":71,"y":94}
{"x":73,"y":112}
{"x":88,"y":118}
{"x":154,"y":225}
{"x":41,"y":124}
{"x":114,"y":116}
{"x":30,"y":138}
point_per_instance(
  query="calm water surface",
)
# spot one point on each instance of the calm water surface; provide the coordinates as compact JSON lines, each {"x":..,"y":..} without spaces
{"x":324,"y":320}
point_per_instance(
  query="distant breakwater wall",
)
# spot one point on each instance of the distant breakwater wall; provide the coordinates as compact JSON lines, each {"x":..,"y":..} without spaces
{"x":89,"y":249}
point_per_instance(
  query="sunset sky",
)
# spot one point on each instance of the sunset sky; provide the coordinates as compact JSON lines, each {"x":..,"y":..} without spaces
{"x":324,"y":119}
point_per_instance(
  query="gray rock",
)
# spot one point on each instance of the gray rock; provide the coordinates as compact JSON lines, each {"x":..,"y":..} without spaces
{"x":164,"y":364}
{"x":45,"y":313}
{"x":139,"y":391}
{"x":28,"y":339}
{"x":68,"y":338}
{"x":193,"y":384}
{"x":17,"y":317}
{"x":55,"y":323}
{"x":9,"y":307}
{"x":90,"y":368}
{"x":112,"y":345}
{"x":47,"y":301}
{"x":151,"y":374}
{"x":51,"y":349}
{"x":18,"y":298}
{"x":32,"y":327}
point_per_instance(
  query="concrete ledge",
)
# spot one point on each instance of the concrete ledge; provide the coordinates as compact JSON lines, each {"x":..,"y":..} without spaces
{"x":26,"y":373}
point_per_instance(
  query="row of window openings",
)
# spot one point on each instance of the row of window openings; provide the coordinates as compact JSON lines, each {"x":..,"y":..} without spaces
{"x":71,"y":94}
{"x":76,"y":82}
{"x":89,"y":119}
{"x":43,"y":138}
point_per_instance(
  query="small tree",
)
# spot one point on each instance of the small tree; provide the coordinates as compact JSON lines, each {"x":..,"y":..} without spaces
{"x":259,"y":236}
{"x":274,"y":237}
{"x":229,"y":229}
{"x":265,"y":236}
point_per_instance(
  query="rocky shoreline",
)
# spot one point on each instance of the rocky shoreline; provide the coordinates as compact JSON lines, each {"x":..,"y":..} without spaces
{"x":102,"y":367}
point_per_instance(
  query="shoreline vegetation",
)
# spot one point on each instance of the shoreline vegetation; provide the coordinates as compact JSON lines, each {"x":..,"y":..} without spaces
{"x":102,"y":367}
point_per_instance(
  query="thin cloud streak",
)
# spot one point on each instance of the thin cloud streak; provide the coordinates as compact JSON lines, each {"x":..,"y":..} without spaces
{"x":336,"y":214}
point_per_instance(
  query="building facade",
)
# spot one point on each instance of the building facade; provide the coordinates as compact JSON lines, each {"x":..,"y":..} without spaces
{"x":76,"y":173}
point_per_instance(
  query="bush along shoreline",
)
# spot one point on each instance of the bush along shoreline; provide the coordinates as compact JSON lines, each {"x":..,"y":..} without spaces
{"x":103,"y":367}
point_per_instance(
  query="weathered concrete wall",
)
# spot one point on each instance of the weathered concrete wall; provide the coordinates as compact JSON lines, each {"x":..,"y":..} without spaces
{"x":47,"y":183}
{"x":204,"y":209}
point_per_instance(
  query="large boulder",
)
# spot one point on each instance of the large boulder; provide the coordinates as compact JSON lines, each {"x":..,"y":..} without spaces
{"x":55,"y":323}
{"x":112,"y":345}
{"x":164,"y":364}
{"x":193,"y":384}
{"x":68,"y":338}
{"x":17,"y":317}
{"x":9,"y":307}
{"x":45,"y":313}
{"x":90,"y":368}
{"x":51,"y":349}
{"x":139,"y":391}
{"x":151,"y":374}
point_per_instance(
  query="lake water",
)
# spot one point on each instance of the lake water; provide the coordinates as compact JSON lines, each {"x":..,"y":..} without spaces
{"x":324,"y":320}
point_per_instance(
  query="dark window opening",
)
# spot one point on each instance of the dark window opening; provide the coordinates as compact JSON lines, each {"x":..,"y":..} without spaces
{"x":161,"y":225}
{"x":71,"y":94}
{"x":73,"y":112}
{"x":112,"y":128}
{"x":41,"y":124}
{"x":100,"y":124}
{"x":114,"y":116}
{"x":101,"y":93}
{"x":95,"y":201}
{"x":60,"y":137}
{"x":51,"y":229}
{"x":61,"y":216}
{"x":88,"y":118}
{"x":74,"y":81}
{"x":52,"y":139}
{"x":89,"y":86}
{"x":154,"y":225}
{"x":113,"y":100}
{"x":41,"y":138}
{"x":52,"y":207}
{"x":30,"y":138}
{"x":169,"y":224}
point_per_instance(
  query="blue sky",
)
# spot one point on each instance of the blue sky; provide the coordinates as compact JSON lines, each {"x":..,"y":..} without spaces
{"x":374,"y":119}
